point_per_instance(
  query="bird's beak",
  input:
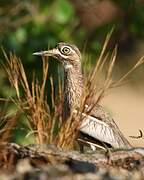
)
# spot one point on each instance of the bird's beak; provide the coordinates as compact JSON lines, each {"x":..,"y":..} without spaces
{"x":45,"y":53}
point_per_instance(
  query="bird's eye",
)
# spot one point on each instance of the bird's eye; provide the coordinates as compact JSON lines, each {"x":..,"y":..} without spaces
{"x":65,"y":50}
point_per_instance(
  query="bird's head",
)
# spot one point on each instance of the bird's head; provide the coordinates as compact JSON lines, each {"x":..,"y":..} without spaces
{"x":68,"y":54}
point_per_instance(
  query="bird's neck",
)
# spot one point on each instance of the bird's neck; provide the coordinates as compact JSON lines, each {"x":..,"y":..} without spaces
{"x":73,"y":86}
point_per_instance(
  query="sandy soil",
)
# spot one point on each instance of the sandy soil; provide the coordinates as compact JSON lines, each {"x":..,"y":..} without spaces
{"x":126,"y":104}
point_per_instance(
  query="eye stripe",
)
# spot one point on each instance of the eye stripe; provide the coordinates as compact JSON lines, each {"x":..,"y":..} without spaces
{"x":73,"y":48}
{"x":66,"y":50}
{"x":66,"y":47}
{"x":69,"y":48}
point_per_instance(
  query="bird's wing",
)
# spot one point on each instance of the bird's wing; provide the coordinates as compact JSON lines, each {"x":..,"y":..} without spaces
{"x":101,"y":126}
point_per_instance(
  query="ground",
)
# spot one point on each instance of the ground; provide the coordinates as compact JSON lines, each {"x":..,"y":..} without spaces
{"x":127,"y":106}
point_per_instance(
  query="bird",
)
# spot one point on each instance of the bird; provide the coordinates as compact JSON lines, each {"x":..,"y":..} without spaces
{"x":98,"y":126}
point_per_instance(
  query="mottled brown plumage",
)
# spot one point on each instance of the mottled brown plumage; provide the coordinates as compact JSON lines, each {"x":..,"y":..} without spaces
{"x":98,"y":125}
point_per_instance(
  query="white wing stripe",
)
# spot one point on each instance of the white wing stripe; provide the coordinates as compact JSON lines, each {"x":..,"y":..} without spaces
{"x":98,"y":129}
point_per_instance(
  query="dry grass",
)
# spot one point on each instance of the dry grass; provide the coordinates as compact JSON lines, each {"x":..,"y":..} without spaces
{"x":33,"y":102}
{"x":7,"y":125}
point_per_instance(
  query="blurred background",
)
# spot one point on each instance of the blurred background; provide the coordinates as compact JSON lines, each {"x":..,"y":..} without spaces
{"x":27,"y":26}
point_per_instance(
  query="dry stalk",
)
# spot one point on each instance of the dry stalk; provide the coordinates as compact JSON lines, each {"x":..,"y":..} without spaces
{"x":32,"y":103}
{"x":7,"y":126}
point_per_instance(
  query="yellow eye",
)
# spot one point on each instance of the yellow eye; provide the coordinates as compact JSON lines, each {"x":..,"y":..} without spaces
{"x":65,"y":50}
